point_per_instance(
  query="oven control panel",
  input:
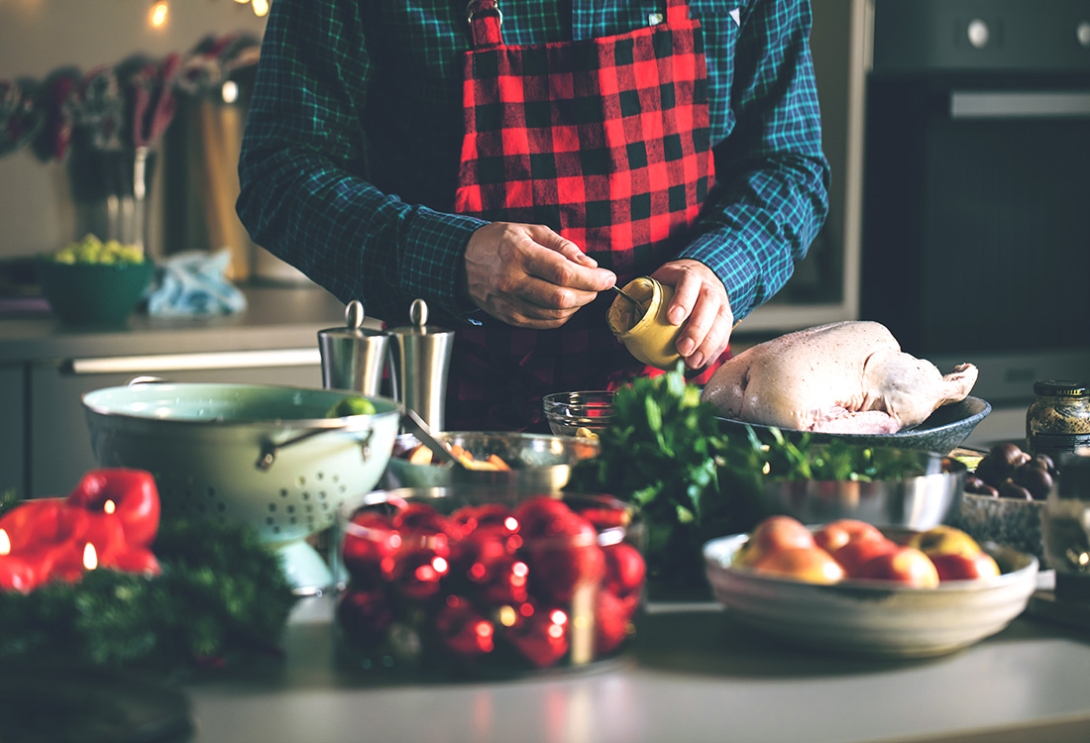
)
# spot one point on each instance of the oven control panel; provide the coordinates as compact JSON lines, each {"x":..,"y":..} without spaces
{"x":974,"y":35}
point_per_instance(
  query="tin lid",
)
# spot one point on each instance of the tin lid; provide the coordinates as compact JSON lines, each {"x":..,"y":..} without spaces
{"x":353,"y":324}
{"x":418,"y":316}
{"x":1059,"y":388}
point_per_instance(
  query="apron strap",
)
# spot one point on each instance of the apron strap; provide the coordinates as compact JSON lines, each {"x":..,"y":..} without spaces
{"x":485,"y":22}
{"x":677,"y":11}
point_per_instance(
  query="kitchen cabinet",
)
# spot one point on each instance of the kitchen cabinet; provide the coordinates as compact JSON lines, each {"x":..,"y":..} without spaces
{"x":11,"y":432}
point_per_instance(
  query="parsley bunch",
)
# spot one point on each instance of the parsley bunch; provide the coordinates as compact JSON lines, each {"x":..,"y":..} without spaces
{"x":662,"y":451}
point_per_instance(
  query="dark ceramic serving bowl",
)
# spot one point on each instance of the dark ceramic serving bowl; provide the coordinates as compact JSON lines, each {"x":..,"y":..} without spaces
{"x":945,"y":430}
{"x":94,"y":293}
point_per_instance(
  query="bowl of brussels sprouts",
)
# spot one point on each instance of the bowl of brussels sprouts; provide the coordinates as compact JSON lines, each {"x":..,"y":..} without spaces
{"x":91,"y":282}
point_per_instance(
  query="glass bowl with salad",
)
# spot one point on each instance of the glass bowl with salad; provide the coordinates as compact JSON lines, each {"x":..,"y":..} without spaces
{"x":91,"y":282}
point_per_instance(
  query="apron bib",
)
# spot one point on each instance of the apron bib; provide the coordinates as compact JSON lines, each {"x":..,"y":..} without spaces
{"x":604,"y":140}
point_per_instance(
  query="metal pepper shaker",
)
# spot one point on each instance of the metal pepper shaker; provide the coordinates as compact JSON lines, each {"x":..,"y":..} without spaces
{"x":355,"y":358}
{"x":422,"y":362}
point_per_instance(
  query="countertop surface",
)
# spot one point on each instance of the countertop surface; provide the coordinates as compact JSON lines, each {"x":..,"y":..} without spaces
{"x":275,"y":317}
{"x":694,"y":675}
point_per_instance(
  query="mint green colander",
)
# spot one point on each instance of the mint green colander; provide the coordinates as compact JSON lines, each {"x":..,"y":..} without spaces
{"x":263,"y":455}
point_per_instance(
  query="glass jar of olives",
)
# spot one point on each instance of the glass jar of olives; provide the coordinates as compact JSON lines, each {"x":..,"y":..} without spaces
{"x":1058,"y":421}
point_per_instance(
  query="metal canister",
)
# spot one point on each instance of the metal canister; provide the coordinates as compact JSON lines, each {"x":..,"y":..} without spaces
{"x":355,"y":358}
{"x":1058,"y":421}
{"x":422,"y":360}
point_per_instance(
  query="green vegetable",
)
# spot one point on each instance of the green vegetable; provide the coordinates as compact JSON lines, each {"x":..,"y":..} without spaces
{"x":92,"y":250}
{"x":353,"y":405}
{"x":661,"y":451}
{"x":222,"y":594}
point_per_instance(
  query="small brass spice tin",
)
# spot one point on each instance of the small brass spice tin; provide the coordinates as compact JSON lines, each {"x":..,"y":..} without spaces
{"x":645,"y":331}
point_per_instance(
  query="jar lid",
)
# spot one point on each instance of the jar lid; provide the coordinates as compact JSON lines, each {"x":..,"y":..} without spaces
{"x":1060,"y":388}
{"x":353,"y":324}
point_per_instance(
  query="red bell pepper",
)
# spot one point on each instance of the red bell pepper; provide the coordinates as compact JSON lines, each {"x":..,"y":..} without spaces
{"x":135,"y":499}
{"x":114,"y":510}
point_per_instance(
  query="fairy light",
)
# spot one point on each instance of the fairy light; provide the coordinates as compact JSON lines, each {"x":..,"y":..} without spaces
{"x":5,"y":543}
{"x":159,"y":13}
{"x":229,"y":91}
{"x":109,"y":506}
{"x":90,"y":557}
{"x":260,"y":7}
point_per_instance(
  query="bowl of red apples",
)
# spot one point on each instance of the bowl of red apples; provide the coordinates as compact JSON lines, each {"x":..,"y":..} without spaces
{"x":461,"y":581}
{"x":852,"y":587}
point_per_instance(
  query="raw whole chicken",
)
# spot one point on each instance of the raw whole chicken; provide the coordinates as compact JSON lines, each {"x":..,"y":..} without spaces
{"x":845,"y":377}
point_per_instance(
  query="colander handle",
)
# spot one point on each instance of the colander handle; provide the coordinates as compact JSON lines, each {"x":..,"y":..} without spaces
{"x":269,"y":449}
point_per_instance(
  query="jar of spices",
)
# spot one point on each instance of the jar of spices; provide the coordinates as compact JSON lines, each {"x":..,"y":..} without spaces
{"x":1058,"y":421}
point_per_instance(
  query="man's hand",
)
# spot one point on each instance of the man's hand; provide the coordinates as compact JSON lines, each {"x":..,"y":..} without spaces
{"x":700,"y":296}
{"x":530,"y":277}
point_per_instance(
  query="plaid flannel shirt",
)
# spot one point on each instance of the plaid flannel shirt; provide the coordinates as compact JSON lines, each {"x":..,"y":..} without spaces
{"x":350,"y":157}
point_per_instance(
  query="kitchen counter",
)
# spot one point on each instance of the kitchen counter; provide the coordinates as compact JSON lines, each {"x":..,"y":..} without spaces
{"x":694,"y":676}
{"x":275,"y":317}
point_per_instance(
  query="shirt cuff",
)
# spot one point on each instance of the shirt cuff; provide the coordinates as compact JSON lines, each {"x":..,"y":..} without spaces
{"x":732,"y":264}
{"x":435,"y":245}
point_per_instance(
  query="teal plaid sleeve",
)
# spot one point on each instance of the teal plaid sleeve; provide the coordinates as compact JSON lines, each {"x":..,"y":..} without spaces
{"x":304,"y":191}
{"x":374,"y":223}
{"x":772,"y":176}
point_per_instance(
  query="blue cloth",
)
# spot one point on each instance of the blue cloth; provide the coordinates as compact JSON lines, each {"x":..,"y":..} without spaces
{"x":193,"y":283}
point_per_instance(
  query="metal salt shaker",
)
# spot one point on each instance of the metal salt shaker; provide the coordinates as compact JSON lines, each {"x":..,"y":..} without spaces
{"x":354,"y":357}
{"x":422,"y":359}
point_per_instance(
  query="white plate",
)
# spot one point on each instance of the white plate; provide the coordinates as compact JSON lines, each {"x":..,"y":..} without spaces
{"x":872,"y":618}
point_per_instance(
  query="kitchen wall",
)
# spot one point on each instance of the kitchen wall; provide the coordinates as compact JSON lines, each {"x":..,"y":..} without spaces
{"x":38,"y":37}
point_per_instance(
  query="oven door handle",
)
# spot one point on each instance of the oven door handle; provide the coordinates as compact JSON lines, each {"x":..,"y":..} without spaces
{"x":990,"y":104}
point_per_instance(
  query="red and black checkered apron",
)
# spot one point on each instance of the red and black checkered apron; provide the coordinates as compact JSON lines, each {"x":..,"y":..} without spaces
{"x":604,"y":140}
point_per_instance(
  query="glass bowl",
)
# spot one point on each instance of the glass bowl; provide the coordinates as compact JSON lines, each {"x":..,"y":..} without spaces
{"x":529,"y":463}
{"x":578,"y":413}
{"x":465,"y":581}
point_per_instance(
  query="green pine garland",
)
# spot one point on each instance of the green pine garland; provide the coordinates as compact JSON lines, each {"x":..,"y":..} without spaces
{"x":221,"y":593}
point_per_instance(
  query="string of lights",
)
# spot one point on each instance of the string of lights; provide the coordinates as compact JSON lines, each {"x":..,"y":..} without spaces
{"x":160,"y":10}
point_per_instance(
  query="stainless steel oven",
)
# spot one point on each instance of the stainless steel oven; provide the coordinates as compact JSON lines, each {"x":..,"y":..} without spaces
{"x":976,"y":227}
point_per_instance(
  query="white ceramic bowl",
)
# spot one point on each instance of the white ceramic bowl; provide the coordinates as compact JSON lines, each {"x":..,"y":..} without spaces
{"x":871,"y":618}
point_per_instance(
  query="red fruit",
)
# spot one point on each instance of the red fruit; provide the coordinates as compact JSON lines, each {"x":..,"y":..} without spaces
{"x":564,"y":560}
{"x":480,"y":555}
{"x":369,"y":548}
{"x":542,"y":637}
{"x":836,"y":534}
{"x":610,"y":622}
{"x":470,"y":518}
{"x":364,"y":615}
{"x":625,"y":569}
{"x":536,"y":514}
{"x":854,"y":555}
{"x":508,"y":584}
{"x":906,"y":565}
{"x":462,"y":629}
{"x":773,"y":534}
{"x":421,"y":520}
{"x":954,"y":566}
{"x":418,"y":572}
{"x":604,"y":517}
